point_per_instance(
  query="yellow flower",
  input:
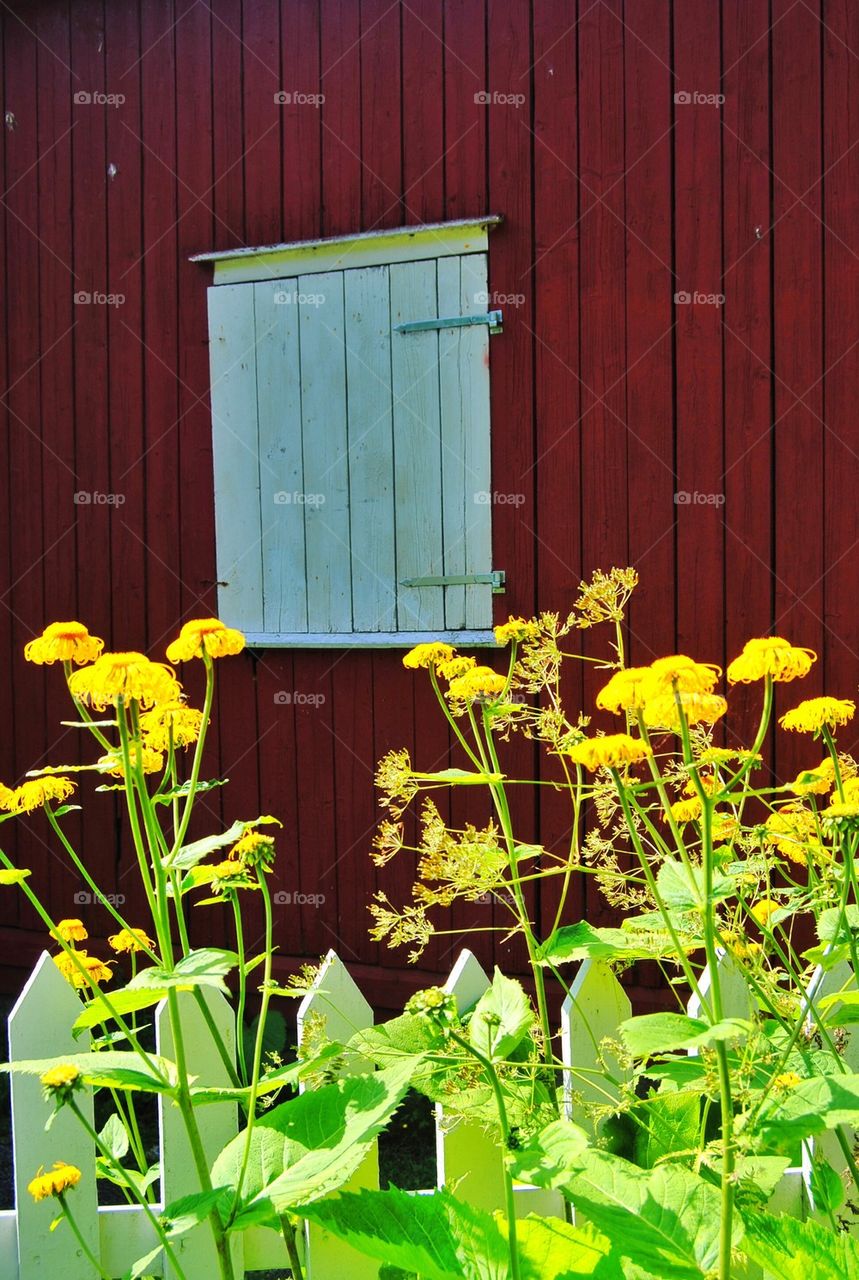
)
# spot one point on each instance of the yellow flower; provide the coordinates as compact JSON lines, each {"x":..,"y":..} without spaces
{"x":681,"y":673}
{"x":62,"y":1177}
{"x":112,"y":763}
{"x":787,"y":1080}
{"x":698,"y":708}
{"x":456,"y":667}
{"x":770,"y":656}
{"x":516,"y":629}
{"x":428,"y":655}
{"x":229,"y":874}
{"x":479,"y":682}
{"x":609,"y":752}
{"x":98,"y":971}
{"x":623,"y":691}
{"x":37,"y":793}
{"x":130,"y":940}
{"x":127,"y":676}
{"x":155,"y":725}
{"x":739,"y":946}
{"x":63,"y":642}
{"x":60,"y":1080}
{"x":725,"y":826}
{"x":254,"y":849}
{"x":205,"y":634}
{"x":764,"y":910}
{"x":793,"y":832}
{"x":840,"y":814}
{"x":683,"y":811}
{"x":816,"y":781}
{"x":69,"y":930}
{"x":850,"y":787}
{"x":814,"y":714}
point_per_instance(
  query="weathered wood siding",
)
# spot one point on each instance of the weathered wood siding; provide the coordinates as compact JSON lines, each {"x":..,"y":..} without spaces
{"x":611,"y":399}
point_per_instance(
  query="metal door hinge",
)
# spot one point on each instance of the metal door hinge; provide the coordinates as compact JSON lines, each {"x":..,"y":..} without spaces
{"x":492,"y":319}
{"x":495,"y":580}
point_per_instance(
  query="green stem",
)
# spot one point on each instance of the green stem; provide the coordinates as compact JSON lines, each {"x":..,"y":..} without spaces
{"x":88,"y":1253}
{"x":198,"y":757}
{"x":288,"y":1232}
{"x":242,"y":996}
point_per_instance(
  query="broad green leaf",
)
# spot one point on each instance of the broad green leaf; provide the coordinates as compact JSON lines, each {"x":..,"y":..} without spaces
{"x":652,"y":1033}
{"x":669,"y":1125}
{"x":111,"y":1069}
{"x":187,"y":1212}
{"x":283,"y":1078}
{"x":406,"y":1036}
{"x":205,"y":967}
{"x":683,"y":888}
{"x":273,"y":1038}
{"x":190,"y":854}
{"x":827,"y":1189}
{"x":501,"y":1018}
{"x":114,"y":1136}
{"x":179,"y":793}
{"x":546,"y":1160}
{"x":14,"y":875}
{"x":582,"y":941}
{"x":835,"y":927}
{"x":796,"y":1250}
{"x":816,"y":1104}
{"x":549,"y":1247}
{"x":143,"y":1266}
{"x":460,"y":777}
{"x":125,"y":1000}
{"x":311,"y":1145}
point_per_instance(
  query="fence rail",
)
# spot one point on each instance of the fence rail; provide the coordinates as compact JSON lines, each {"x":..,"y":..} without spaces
{"x":118,"y":1235}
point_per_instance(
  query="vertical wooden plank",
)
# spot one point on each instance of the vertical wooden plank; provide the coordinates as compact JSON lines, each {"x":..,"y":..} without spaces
{"x":749,"y":437}
{"x":698,"y":265}
{"x":593,"y":1010}
{"x":381,"y":114}
{"x":303,"y":172}
{"x":337,"y":999}
{"x":340,"y":79}
{"x":262,"y":119}
{"x":798,"y":348}
{"x":417,"y":446}
{"x":281,"y":464}
{"x":841,"y":356}
{"x":235,"y":451}
{"x":40,"y":1027}
{"x":371,"y":445}
{"x":458,"y":492}
{"x":554,"y":284}
{"x":326,"y":471}
{"x":423,"y":50}
{"x":465,"y":117}
{"x":227,"y":117}
{"x":217,"y":1123}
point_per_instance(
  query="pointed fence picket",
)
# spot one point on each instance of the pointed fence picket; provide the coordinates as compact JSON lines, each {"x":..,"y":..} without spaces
{"x":466,"y":1157}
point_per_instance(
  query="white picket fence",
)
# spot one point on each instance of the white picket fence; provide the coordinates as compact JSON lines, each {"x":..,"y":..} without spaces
{"x":465,"y":1156}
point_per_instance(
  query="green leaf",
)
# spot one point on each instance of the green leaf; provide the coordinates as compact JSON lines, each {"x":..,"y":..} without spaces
{"x":816,"y":1104}
{"x":125,"y":1000}
{"x":668,"y":1124}
{"x":190,"y":854}
{"x":796,"y":1250}
{"x":546,"y":1160}
{"x":501,"y":1018}
{"x":143,"y":1265}
{"x":827,"y":1189}
{"x":311,"y":1145}
{"x":582,"y":942}
{"x":652,"y":1033}
{"x":111,"y":1069}
{"x":205,"y":967}
{"x":180,"y":792}
{"x":684,"y":889}
{"x":833,"y":927}
{"x":188,"y":1211}
{"x":459,"y":777}
{"x":273,"y":1038}
{"x":548,"y":1247}
{"x":115,"y":1137}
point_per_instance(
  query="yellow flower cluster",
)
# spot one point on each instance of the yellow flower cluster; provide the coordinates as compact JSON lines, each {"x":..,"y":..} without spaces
{"x":64,"y":642}
{"x":681,"y":674}
{"x":127,"y":677}
{"x":478,"y":683}
{"x":170,"y":719}
{"x":95,"y":969}
{"x":60,"y":1080}
{"x":816,"y":714}
{"x":770,"y":656}
{"x":662,"y":712}
{"x":255,"y":848}
{"x":624,"y":691}
{"x":428,"y":655}
{"x":61,"y":1178}
{"x":516,"y":629}
{"x":128,"y":940}
{"x":816,"y":781}
{"x":456,"y":667}
{"x":764,"y":910}
{"x":207,"y":635}
{"x":36,"y":794}
{"x":793,"y":832}
{"x":70,"y":930}
{"x":608,"y":752}
{"x":113,"y":764}
{"x":683,"y":811}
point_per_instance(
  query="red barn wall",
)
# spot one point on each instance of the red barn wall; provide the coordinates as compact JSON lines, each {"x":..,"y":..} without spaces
{"x":610,"y":399}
